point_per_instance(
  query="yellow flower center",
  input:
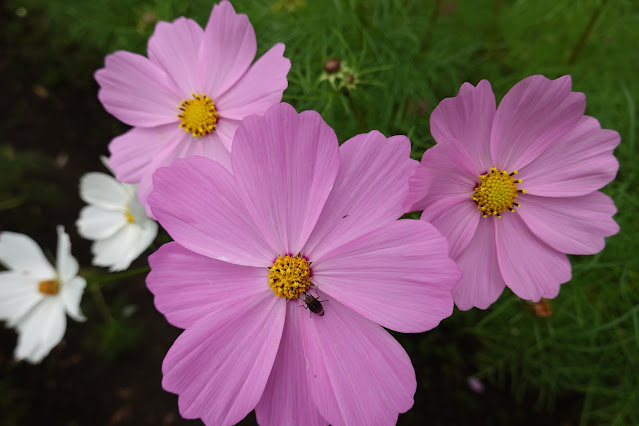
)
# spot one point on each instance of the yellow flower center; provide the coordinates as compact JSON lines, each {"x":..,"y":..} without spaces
{"x":129,"y":216}
{"x":289,"y":276}
{"x":198,"y":116}
{"x":49,"y":287}
{"x":496,"y":192}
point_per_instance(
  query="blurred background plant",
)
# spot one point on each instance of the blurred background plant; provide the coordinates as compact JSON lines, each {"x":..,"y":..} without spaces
{"x":570,"y":361}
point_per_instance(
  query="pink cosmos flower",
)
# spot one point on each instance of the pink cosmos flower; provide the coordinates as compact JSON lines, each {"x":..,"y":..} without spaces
{"x":300,"y":219}
{"x":190,"y":95}
{"x":514,"y":188}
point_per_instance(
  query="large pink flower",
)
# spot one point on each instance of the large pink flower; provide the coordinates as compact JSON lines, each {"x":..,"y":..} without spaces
{"x":190,"y":95}
{"x":300,"y":216}
{"x":514,"y":188}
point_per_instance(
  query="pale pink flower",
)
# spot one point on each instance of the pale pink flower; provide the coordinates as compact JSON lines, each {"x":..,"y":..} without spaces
{"x":295,"y":197}
{"x":532,"y":167}
{"x":207,"y":73}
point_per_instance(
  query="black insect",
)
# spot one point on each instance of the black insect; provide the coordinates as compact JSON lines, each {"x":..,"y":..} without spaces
{"x":314,"y":304}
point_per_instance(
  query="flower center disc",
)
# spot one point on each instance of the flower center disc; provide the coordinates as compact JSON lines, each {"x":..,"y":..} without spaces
{"x":129,"y":216}
{"x":496,"y":192}
{"x":198,"y":116}
{"x":49,"y":287}
{"x":289,"y":276}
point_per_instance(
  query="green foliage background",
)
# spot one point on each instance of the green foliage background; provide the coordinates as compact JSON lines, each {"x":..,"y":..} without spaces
{"x":407,"y":56}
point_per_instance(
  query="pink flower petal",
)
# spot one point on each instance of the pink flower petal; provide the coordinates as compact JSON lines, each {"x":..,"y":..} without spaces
{"x":220,"y":365}
{"x":225,"y":130}
{"x":399,"y":276}
{"x":370,"y":187}
{"x":136,"y":91}
{"x":573,"y":225}
{"x":530,"y":268}
{"x":578,"y":164}
{"x":196,"y":201}
{"x":175,"y":47}
{"x":449,"y":178}
{"x":286,"y":399}
{"x":458,"y":225}
{"x":261,"y":87}
{"x":188,"y":286}
{"x":227,"y":50}
{"x":417,"y":187}
{"x":164,"y":158}
{"x":481,"y":282}
{"x":357,"y":372}
{"x":534,"y":114}
{"x":466,"y":121}
{"x":285,"y":165}
{"x":133,"y":151}
{"x":208,"y":146}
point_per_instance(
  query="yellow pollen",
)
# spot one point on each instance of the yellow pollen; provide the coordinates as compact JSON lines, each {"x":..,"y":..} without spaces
{"x":49,"y":287}
{"x":198,"y":116}
{"x":129,"y":216}
{"x":496,"y":192}
{"x":289,"y":276}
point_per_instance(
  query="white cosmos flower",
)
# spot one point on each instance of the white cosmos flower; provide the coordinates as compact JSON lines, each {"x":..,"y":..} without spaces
{"x":34,"y":295}
{"x":115,"y":220}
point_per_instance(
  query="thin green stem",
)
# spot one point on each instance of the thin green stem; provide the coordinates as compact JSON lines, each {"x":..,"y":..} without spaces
{"x":119,"y":275}
{"x":584,"y":36}
{"x":355,"y":110}
{"x":431,"y":23}
{"x":100,"y":303}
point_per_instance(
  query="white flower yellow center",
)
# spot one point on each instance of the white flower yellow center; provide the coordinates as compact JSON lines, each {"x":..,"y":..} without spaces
{"x":496,"y":192}
{"x":289,"y":276}
{"x":49,"y":287}
{"x":198,"y":116}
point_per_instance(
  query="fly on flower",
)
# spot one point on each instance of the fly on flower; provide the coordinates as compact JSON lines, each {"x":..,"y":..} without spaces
{"x":231,"y":281}
{"x":515,"y":188}
{"x":314,"y":304}
{"x":35,"y":296}
{"x":190,"y":94}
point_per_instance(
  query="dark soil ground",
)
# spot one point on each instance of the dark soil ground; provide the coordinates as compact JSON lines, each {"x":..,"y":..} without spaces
{"x":111,"y":374}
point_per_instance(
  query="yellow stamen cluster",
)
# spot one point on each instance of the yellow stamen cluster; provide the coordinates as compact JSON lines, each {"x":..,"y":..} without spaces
{"x":198,"y":116}
{"x":129,"y":216}
{"x":496,"y":192}
{"x":289,"y":276}
{"x":49,"y":287}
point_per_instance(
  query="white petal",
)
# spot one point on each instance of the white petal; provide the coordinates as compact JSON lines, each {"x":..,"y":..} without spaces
{"x":71,"y":295}
{"x":103,"y":190}
{"x":115,"y":252}
{"x":105,"y":162}
{"x":96,"y":223}
{"x":41,"y":330}
{"x":18,"y":295}
{"x":66,"y":264}
{"x":149,"y":230}
{"x":20,"y":253}
{"x":135,"y":208}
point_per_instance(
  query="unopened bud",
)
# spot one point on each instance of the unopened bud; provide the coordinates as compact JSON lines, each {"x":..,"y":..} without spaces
{"x":332,"y":65}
